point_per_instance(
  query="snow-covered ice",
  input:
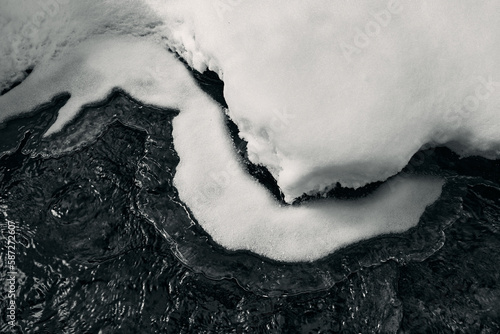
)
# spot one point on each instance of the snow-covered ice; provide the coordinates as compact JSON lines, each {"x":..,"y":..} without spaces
{"x":323,"y":91}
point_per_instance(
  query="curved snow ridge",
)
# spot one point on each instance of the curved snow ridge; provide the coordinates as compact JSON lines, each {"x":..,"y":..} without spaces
{"x":230,"y":205}
{"x":240,"y":214}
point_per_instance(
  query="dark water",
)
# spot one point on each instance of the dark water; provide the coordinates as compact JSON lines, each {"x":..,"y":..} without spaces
{"x":105,"y":246}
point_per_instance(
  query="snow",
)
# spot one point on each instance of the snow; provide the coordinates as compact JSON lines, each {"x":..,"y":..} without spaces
{"x":324,"y":92}
{"x":328,"y":92}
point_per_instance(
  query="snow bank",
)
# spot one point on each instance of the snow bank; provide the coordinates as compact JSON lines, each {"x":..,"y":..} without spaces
{"x":337,"y":91}
{"x":236,"y":210}
{"x":323,"y":91}
{"x":34,"y":31}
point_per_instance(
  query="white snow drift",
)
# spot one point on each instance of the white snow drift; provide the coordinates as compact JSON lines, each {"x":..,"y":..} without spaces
{"x":323,"y":91}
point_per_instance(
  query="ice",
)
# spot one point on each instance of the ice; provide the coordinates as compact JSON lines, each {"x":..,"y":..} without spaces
{"x":323,"y":91}
{"x":237,"y":211}
{"x":336,"y":91}
{"x":92,"y":70}
{"x":33,"y":32}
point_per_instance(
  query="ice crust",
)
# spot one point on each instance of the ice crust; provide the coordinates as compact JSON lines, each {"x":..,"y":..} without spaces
{"x":319,"y":100}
